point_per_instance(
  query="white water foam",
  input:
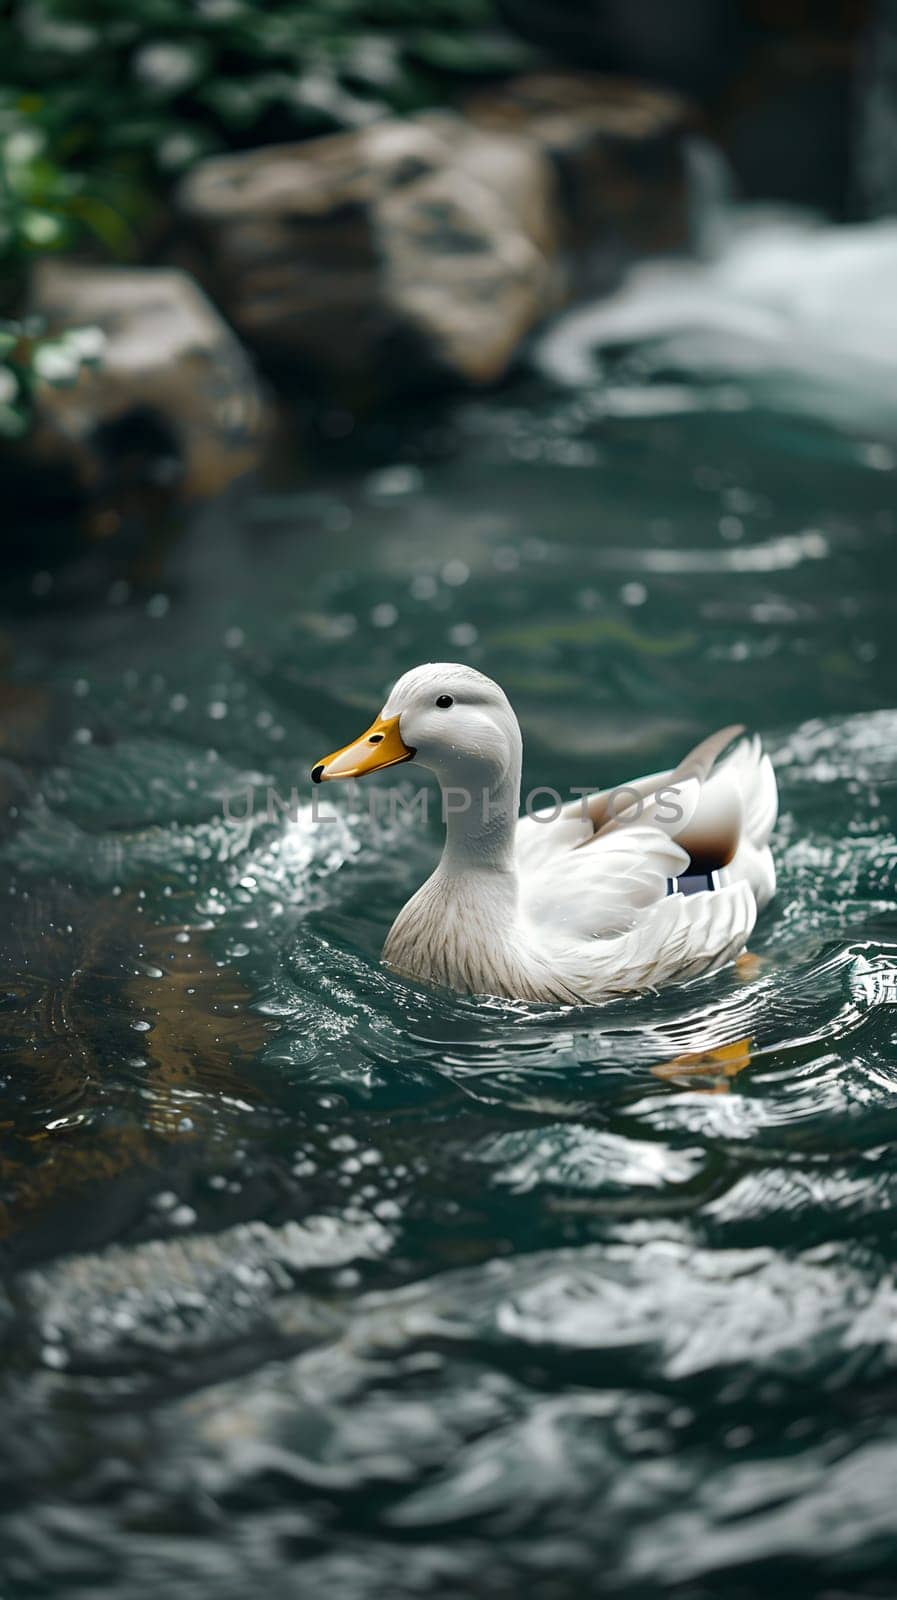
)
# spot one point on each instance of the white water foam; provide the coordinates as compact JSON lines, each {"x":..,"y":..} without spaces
{"x":801,"y":314}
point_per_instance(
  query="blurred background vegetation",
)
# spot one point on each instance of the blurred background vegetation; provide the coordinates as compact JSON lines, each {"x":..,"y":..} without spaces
{"x":106,"y":104}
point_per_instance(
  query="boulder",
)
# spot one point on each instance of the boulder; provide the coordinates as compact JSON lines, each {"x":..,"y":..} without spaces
{"x":172,"y":399}
{"x":778,"y":82}
{"x":618,"y":153}
{"x":381,"y":259}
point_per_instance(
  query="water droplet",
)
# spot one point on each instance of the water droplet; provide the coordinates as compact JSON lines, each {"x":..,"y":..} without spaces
{"x":731,"y":528}
{"x":463,"y":634}
{"x":455,"y":572}
{"x":391,"y":481}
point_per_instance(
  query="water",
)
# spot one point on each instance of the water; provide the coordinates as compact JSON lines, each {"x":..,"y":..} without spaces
{"x":322,"y":1282}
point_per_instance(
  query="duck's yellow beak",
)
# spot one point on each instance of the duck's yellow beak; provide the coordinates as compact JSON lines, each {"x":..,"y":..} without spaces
{"x":381,"y":746}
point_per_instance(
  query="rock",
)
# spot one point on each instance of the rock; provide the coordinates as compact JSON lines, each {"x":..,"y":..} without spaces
{"x":383,"y":258}
{"x":617,"y":150}
{"x":777,"y":82}
{"x":173,"y":399}
{"x":429,"y":248}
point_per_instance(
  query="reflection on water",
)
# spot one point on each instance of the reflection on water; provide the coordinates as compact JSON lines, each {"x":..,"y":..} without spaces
{"x":321,"y":1279}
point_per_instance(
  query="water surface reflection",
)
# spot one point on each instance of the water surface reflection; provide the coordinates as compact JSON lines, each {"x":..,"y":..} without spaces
{"x":324,"y":1280}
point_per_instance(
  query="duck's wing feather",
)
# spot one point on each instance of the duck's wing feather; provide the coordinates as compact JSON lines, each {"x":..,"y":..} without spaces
{"x":681,"y":938}
{"x":592,"y":882}
{"x":603,"y":885}
{"x":544,"y":835}
{"x":709,"y":806}
{"x":598,"y":868}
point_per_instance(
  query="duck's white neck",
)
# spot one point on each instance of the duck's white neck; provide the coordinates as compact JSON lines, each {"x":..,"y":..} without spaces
{"x":480,"y":807}
{"x":459,"y":929}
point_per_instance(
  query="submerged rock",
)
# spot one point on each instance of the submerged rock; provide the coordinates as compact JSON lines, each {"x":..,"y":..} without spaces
{"x":391,"y":256}
{"x":173,"y":400}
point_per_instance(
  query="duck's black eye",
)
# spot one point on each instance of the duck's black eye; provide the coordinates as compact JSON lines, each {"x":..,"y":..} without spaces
{"x":444,"y":701}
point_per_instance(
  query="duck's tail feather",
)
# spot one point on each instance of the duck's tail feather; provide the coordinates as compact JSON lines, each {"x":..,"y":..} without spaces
{"x":738,"y":803}
{"x":699,"y":761}
{"x":751,"y":770}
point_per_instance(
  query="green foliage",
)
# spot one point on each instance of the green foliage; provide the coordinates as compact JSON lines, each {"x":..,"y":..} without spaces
{"x":45,"y":202}
{"x":105,"y":103}
{"x":29,"y":356}
{"x":133,"y":92}
{"x":108,"y":101}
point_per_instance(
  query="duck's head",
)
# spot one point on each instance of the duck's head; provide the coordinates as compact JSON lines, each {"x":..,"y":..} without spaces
{"x":446,"y":716}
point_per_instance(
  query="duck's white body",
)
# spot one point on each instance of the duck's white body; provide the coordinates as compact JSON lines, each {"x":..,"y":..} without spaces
{"x":583,"y":901}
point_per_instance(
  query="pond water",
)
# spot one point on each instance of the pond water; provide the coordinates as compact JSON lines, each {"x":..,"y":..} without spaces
{"x":322,"y":1282}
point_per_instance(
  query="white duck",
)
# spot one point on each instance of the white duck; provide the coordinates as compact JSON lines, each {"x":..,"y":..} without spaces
{"x":619,"y":891}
